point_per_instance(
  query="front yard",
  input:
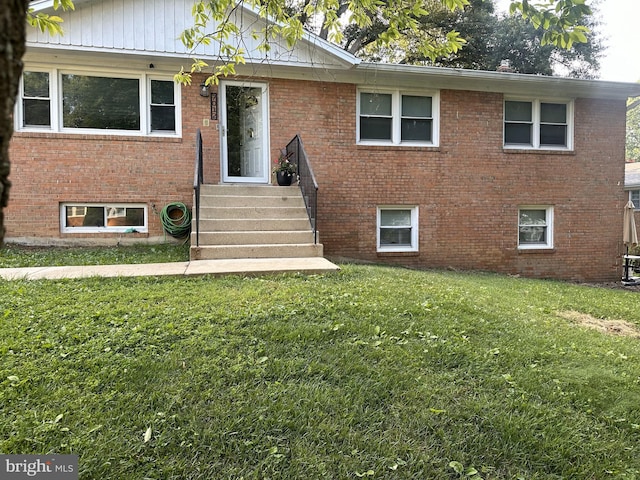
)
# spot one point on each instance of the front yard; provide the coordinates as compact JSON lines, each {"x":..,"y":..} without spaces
{"x":371,"y":372}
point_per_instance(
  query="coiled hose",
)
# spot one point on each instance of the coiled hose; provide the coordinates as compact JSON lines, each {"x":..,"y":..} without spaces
{"x":176,"y":220}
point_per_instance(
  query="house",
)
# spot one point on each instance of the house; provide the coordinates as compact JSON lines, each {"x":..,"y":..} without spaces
{"x":419,"y":166}
{"x":632,"y":185}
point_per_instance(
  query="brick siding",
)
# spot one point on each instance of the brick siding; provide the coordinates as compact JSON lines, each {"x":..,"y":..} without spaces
{"x":468,"y":189}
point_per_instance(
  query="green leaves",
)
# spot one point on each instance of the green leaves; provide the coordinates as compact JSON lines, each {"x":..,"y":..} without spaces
{"x":394,"y":25}
{"x":559,"y":18}
{"x":49,"y":23}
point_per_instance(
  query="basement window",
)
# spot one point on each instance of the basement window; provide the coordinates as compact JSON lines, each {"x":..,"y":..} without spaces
{"x":397,"y":229}
{"x":535,"y":227}
{"x":103,"y":218}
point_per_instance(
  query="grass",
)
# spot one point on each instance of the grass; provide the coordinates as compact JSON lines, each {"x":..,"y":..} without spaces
{"x":372,"y":372}
{"x":15,"y":256}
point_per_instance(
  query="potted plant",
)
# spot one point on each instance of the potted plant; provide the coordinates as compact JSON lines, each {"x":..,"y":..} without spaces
{"x":284,"y":169}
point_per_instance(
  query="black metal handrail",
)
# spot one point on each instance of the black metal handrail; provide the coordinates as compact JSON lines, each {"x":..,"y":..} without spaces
{"x":198,"y":179}
{"x":306,"y":180}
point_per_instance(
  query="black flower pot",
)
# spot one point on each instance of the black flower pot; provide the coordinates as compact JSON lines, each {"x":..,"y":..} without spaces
{"x":284,"y":178}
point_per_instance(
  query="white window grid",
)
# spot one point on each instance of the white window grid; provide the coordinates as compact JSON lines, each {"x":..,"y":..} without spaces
{"x":396,"y":117}
{"x":536,"y":122}
{"x":414,"y":229}
{"x":110,"y":210}
{"x":55,"y":97}
{"x":548,"y":244}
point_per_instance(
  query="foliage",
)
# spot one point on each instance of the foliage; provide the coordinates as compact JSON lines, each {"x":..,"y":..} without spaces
{"x":282,"y":164}
{"x":282,"y":377}
{"x":387,"y":22}
{"x":633,"y":129}
{"x":49,"y":23}
{"x":490,"y":39}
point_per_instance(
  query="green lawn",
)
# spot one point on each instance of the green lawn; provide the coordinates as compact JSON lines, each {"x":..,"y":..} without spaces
{"x":370,"y":372}
{"x":15,"y":256}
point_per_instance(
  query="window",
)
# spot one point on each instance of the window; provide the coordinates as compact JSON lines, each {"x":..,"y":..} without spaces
{"x":538,"y":124}
{"x":163,"y":107}
{"x":535,"y":227}
{"x":634,"y":196}
{"x":398,"y":229}
{"x":393,"y":117}
{"x":97,"y":218}
{"x":74,"y":102}
{"x":36,"y":103}
{"x":100,"y":102}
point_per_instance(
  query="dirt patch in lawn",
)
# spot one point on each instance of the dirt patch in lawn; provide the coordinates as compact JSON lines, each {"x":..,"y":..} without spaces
{"x":610,"y":327}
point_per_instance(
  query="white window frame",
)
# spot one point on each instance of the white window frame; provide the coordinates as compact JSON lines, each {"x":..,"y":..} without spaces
{"x":414,"y":229}
{"x":635,"y":193}
{"x":106,"y":229}
{"x":55,"y":95}
{"x":548,"y":244}
{"x":396,"y":117}
{"x":536,"y":122}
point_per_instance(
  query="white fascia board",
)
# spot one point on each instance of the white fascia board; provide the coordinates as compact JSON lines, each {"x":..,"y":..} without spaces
{"x":498,"y":82}
{"x":42,"y":5}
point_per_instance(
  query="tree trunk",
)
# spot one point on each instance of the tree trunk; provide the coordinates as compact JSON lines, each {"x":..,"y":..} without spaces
{"x":12,"y":47}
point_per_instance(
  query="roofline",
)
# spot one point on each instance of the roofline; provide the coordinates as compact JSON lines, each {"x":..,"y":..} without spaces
{"x":509,"y":83}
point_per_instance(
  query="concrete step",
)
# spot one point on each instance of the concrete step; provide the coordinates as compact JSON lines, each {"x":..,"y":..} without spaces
{"x":252,"y":201}
{"x":249,"y":190}
{"x":256,"y":251}
{"x":256,"y":212}
{"x":252,"y":221}
{"x":253,"y":238}
{"x":244,"y":224}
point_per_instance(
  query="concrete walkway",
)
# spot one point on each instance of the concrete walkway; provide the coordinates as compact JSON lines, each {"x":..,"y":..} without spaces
{"x":249,"y":266}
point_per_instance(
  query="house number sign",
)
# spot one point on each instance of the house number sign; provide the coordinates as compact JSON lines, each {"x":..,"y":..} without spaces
{"x":214,"y":106}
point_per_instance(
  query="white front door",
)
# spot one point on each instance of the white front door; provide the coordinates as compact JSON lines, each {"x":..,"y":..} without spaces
{"x":244,"y":132}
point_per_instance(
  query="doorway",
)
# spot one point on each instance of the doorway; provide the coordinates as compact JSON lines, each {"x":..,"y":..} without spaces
{"x":244,"y":132}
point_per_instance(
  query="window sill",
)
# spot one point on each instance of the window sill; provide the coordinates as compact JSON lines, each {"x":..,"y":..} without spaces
{"x":538,"y":151}
{"x":385,"y":253}
{"x":536,"y":251}
{"x":397,"y":147}
{"x":100,"y":137}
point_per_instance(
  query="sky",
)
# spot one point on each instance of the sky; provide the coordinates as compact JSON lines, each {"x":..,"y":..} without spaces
{"x":621,"y":60}
{"x":622,"y":57}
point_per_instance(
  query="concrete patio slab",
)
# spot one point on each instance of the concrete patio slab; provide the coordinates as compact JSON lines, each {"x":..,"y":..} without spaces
{"x":308,"y":265}
{"x":251,"y":266}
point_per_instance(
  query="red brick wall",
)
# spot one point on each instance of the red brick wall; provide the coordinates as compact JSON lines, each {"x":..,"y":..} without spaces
{"x":49,"y":169}
{"x":468,"y":189}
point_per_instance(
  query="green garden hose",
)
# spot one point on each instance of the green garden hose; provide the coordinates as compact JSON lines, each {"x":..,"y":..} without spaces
{"x":176,"y":220}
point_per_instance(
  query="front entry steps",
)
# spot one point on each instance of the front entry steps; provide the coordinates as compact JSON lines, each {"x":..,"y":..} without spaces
{"x":253,"y":221}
